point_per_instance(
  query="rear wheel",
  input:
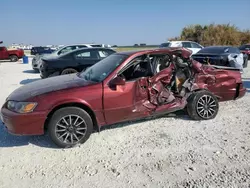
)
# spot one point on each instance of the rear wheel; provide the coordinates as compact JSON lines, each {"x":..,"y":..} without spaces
{"x":202,"y":105}
{"x":70,"y":126}
{"x":68,"y":71}
{"x":13,"y":58}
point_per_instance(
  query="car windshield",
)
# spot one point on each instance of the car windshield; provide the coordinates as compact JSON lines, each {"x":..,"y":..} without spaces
{"x":164,"y":45}
{"x":99,"y":71}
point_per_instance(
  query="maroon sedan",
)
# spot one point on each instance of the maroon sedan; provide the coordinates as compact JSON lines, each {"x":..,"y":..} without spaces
{"x":124,"y":86}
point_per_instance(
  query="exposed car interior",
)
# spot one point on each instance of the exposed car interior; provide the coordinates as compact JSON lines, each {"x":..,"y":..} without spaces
{"x":145,"y":66}
{"x":150,"y":65}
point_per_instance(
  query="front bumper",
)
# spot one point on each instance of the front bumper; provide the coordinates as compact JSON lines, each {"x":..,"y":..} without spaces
{"x":23,"y":124}
{"x":47,"y":73}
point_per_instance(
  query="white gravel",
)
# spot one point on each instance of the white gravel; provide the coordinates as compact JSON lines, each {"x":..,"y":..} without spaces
{"x":165,"y":152}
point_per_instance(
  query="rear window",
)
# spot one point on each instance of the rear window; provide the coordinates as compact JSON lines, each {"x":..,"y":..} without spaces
{"x":213,"y":50}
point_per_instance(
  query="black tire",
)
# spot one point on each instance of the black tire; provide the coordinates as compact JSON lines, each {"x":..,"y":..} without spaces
{"x":245,"y":64}
{"x":57,"y":127}
{"x":13,"y":58}
{"x":68,"y":71}
{"x":195,"y":106}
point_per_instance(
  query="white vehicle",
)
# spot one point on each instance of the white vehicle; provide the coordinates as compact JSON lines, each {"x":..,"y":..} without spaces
{"x":193,"y":46}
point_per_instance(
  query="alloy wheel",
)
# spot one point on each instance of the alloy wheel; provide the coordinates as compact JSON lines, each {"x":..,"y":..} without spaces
{"x":71,"y":129}
{"x":206,"y":106}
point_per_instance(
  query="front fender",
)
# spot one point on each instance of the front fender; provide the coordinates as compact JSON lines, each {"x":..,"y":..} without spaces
{"x":68,"y":101}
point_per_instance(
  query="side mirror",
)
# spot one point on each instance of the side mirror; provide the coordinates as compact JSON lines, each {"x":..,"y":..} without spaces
{"x":117,"y":81}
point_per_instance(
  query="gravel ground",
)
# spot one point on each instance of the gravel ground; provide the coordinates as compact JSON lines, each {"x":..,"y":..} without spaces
{"x":171,"y":151}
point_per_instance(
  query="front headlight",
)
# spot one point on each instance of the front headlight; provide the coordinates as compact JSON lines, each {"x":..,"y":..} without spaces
{"x":21,"y":107}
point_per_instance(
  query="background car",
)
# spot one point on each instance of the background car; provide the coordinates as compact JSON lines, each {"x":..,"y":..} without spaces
{"x":227,"y":56}
{"x":72,"y":62}
{"x":12,"y":55}
{"x":245,"y":49}
{"x":193,"y":46}
{"x":62,"y":50}
{"x":41,"y":50}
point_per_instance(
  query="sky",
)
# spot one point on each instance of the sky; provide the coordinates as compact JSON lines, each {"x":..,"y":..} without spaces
{"x":115,"y":22}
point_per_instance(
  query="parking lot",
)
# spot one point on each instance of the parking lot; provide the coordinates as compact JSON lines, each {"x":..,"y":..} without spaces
{"x":171,"y":151}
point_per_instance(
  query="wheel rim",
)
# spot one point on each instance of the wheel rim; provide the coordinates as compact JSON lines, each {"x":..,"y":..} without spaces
{"x":71,"y":129}
{"x":69,"y":72}
{"x":13,"y":58}
{"x":206,"y":106}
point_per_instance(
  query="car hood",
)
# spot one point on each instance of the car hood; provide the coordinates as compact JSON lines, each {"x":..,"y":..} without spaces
{"x":47,"y":85}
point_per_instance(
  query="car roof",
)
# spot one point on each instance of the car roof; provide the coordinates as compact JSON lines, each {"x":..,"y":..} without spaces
{"x":218,"y":47}
{"x":179,"y":41}
{"x":83,"y":44}
{"x":87,"y":49}
{"x":141,"y":52}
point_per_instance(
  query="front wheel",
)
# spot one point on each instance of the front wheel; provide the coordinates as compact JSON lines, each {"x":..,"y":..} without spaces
{"x":13,"y":58}
{"x":202,"y":105}
{"x":70,"y":126}
{"x":68,"y":71}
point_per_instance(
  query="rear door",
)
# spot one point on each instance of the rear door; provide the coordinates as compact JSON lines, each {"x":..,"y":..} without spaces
{"x":86,"y":58}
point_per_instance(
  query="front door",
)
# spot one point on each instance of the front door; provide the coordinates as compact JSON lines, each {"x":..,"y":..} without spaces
{"x":124,"y":102}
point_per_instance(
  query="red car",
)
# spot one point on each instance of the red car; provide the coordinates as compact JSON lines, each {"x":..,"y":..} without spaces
{"x":245,"y":49}
{"x":12,"y":55}
{"x":124,"y":86}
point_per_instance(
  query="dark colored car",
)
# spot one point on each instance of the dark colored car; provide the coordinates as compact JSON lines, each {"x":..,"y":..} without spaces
{"x":39,"y":50}
{"x":12,"y":55}
{"x":122,"y":87}
{"x":221,"y":56}
{"x":73,"y":61}
{"x":245,"y":49}
{"x":62,"y":50}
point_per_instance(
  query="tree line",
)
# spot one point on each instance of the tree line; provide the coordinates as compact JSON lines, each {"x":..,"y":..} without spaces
{"x":214,"y":34}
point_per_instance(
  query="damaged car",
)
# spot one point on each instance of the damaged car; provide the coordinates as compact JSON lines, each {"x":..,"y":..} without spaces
{"x":122,"y":87}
